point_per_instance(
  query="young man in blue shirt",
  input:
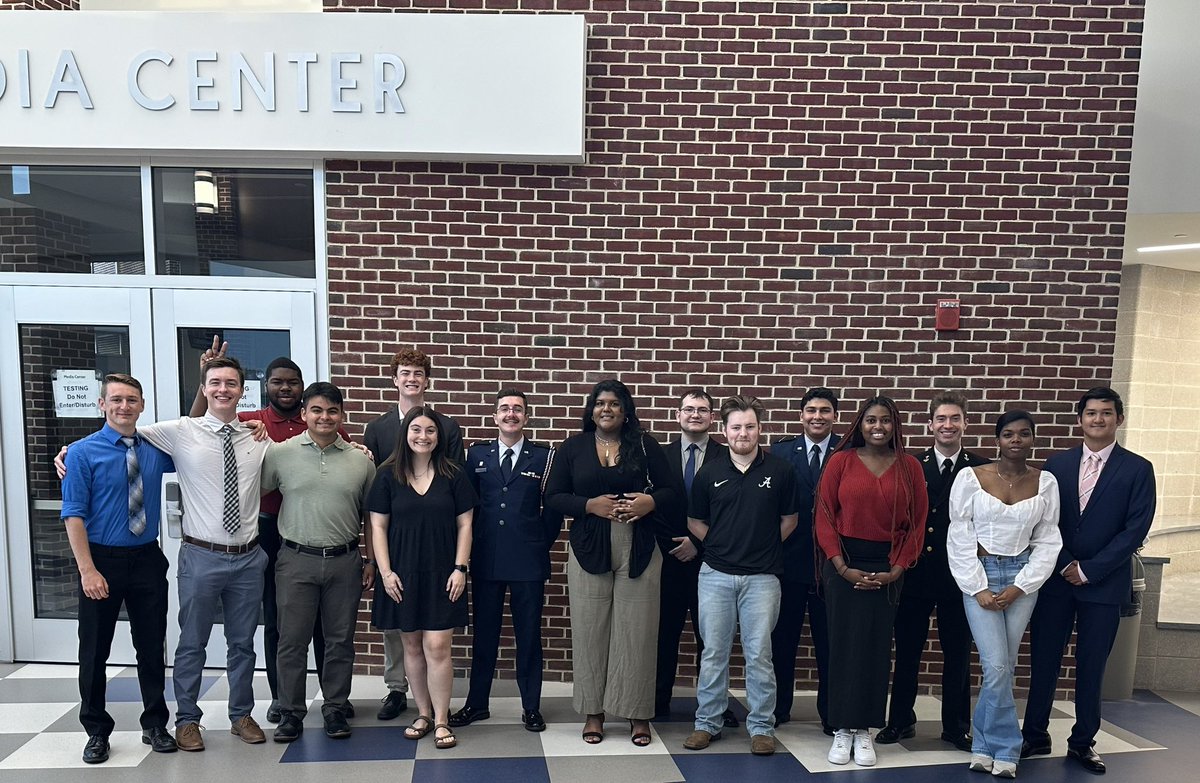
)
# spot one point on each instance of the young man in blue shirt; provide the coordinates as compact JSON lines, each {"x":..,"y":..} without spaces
{"x":111,"y":510}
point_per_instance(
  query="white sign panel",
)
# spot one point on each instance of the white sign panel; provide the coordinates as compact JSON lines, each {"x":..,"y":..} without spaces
{"x":400,"y":86}
{"x":76,"y":394}
{"x":251,"y":397}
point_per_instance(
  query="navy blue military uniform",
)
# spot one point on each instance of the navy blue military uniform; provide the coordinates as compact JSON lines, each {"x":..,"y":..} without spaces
{"x":511,"y":538}
{"x":798,"y":594}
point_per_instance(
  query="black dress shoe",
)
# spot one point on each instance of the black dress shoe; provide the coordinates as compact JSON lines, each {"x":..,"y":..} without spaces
{"x":159,"y":740}
{"x":393,"y":704}
{"x":729,"y":720}
{"x":959,"y":740}
{"x":468,"y":715}
{"x":533,"y":720}
{"x":1029,"y":748}
{"x":827,"y":730}
{"x":782,"y":718}
{"x":890,"y":735}
{"x":348,"y":710}
{"x":1087,"y":758}
{"x":289,"y":729}
{"x":96,"y":750}
{"x":274,"y":715}
{"x":336,"y":726}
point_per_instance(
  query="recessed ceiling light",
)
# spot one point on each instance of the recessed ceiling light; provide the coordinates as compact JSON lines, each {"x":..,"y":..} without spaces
{"x":1168,"y":248}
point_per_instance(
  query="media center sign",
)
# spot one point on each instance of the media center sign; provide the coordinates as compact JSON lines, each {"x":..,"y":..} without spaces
{"x":402,"y":86}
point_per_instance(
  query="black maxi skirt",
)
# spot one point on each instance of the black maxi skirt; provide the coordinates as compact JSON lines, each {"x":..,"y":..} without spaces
{"x":860,"y":638}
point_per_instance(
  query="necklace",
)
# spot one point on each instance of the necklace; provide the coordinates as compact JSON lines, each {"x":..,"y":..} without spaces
{"x":607,"y":444}
{"x":424,"y":473}
{"x":1014,"y":479}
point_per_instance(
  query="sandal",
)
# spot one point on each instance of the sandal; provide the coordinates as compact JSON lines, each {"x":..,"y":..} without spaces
{"x":446,"y":741}
{"x":639,"y":737}
{"x":414,"y":732}
{"x":591,"y":736}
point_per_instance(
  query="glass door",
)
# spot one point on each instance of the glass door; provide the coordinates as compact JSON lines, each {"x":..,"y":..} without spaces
{"x":259,"y":326}
{"x":60,"y":342}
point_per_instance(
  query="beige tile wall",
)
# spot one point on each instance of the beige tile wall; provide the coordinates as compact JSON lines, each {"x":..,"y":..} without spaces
{"x":1157,"y":372}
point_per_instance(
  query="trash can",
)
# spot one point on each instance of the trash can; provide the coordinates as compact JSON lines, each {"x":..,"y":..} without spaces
{"x":1122,"y":661}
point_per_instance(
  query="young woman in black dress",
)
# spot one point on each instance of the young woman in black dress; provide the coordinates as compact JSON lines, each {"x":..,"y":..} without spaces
{"x":421,"y":508}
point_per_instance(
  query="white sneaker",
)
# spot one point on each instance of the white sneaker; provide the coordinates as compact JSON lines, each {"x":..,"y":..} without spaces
{"x":980,"y":763}
{"x":839,"y":753}
{"x":864,"y":749}
{"x":1004,"y":769}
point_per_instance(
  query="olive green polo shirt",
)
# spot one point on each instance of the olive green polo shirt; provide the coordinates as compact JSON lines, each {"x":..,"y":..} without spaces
{"x":324,"y":490}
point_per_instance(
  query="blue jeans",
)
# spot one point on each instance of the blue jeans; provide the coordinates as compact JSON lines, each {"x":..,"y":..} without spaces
{"x":726,"y":601}
{"x":236,"y":582}
{"x":998,"y":637}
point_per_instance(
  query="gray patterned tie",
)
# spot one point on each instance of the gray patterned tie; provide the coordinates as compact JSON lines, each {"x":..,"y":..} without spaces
{"x":133,"y":474}
{"x":231,"y":518}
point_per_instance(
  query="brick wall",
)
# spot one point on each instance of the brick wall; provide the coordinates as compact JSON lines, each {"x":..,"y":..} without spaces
{"x":775,"y":196}
{"x":40,"y":5}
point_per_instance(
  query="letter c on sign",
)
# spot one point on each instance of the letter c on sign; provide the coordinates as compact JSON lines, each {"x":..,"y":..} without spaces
{"x":135,"y":89}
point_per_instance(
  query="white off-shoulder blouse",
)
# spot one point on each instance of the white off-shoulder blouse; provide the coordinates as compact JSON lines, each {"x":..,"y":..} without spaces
{"x":978,"y":519}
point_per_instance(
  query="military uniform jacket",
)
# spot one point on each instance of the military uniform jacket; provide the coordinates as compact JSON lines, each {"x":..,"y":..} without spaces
{"x":799,"y":555}
{"x":512,"y":531}
{"x":931,"y":575}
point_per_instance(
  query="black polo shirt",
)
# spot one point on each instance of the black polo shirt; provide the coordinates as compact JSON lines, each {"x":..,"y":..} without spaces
{"x":743,"y":511}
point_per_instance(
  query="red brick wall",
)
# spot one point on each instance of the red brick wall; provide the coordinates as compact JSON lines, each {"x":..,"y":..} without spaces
{"x":775,"y":196}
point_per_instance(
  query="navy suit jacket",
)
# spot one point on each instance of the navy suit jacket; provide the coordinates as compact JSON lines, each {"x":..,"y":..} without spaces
{"x":674,"y":523}
{"x":799,"y":560}
{"x":512,"y":532}
{"x":1110,"y":530}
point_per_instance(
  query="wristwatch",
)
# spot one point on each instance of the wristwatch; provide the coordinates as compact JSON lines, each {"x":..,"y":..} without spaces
{"x":368,"y":561}
{"x":458,"y":567}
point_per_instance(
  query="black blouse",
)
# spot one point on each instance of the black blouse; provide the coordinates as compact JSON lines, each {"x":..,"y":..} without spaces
{"x":577,"y":476}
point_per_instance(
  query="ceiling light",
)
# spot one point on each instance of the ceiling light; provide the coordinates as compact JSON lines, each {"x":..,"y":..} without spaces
{"x":1168,"y":248}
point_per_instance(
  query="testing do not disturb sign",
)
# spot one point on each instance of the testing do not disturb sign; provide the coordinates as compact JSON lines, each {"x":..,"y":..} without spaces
{"x":76,"y":394}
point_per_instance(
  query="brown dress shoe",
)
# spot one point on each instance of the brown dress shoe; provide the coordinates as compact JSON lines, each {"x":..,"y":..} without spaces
{"x":762,"y":745}
{"x":700,"y":739}
{"x":248,"y":730}
{"x":188,"y":738}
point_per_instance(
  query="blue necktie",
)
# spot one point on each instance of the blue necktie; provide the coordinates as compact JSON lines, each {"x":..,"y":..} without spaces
{"x":507,"y":465}
{"x":689,"y":470}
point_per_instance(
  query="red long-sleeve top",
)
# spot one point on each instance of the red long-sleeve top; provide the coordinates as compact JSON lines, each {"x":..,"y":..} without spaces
{"x":854,"y":502}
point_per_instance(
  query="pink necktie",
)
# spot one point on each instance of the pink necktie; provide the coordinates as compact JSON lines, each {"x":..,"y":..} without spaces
{"x":1091,"y":473}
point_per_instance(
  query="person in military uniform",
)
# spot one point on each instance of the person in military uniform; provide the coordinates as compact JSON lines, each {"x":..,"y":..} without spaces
{"x":930,"y":586}
{"x":513,"y":533}
{"x":807,"y":455}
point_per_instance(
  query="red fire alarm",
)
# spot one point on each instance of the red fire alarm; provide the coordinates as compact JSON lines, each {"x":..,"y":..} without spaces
{"x":947,"y":315}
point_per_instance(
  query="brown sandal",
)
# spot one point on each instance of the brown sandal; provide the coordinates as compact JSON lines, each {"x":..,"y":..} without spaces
{"x":445,"y":742}
{"x":413,"y":732}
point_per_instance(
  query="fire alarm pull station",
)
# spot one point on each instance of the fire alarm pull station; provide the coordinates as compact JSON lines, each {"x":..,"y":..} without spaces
{"x":947,"y":315}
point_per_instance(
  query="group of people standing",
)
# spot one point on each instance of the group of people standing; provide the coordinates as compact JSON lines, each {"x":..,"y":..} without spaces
{"x":864,"y":539}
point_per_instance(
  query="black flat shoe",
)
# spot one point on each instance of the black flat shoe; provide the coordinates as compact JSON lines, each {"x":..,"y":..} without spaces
{"x":729,"y":720}
{"x":159,"y":740}
{"x":890,"y":735}
{"x":468,"y":715}
{"x":1035,"y":749}
{"x":960,"y":741}
{"x":274,"y":714}
{"x":96,"y":750}
{"x":1087,"y":758}
{"x":532,"y":720}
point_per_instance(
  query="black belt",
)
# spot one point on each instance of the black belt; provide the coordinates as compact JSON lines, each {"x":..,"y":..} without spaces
{"x":235,"y":549}
{"x":322,"y":551}
{"x":122,"y":551}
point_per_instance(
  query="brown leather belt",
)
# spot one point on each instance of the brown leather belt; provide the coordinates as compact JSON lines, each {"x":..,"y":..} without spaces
{"x":239,"y":549}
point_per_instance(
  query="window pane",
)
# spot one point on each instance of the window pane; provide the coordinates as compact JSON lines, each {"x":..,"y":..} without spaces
{"x":234,"y":222}
{"x":253,"y":348}
{"x":78,"y":219}
{"x":46,"y":351}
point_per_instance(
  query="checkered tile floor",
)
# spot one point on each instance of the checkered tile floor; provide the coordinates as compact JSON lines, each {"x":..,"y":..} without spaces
{"x":41,"y":740}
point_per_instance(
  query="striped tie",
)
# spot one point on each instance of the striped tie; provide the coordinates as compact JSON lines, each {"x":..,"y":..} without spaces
{"x":231,"y":518}
{"x":1091,"y":473}
{"x":133,"y":473}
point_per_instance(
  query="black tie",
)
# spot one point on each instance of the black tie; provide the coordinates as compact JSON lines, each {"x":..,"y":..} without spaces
{"x":689,"y":470}
{"x":137,"y":511}
{"x":814,"y":463}
{"x":947,"y":469}
{"x":231,"y":516}
{"x":506,"y":465}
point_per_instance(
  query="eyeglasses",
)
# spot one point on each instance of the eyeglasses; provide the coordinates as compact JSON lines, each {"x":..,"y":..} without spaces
{"x":690,"y":411}
{"x":510,"y":409}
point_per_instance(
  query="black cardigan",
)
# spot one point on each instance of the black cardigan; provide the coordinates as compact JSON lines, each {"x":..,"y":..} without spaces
{"x":577,"y":476}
